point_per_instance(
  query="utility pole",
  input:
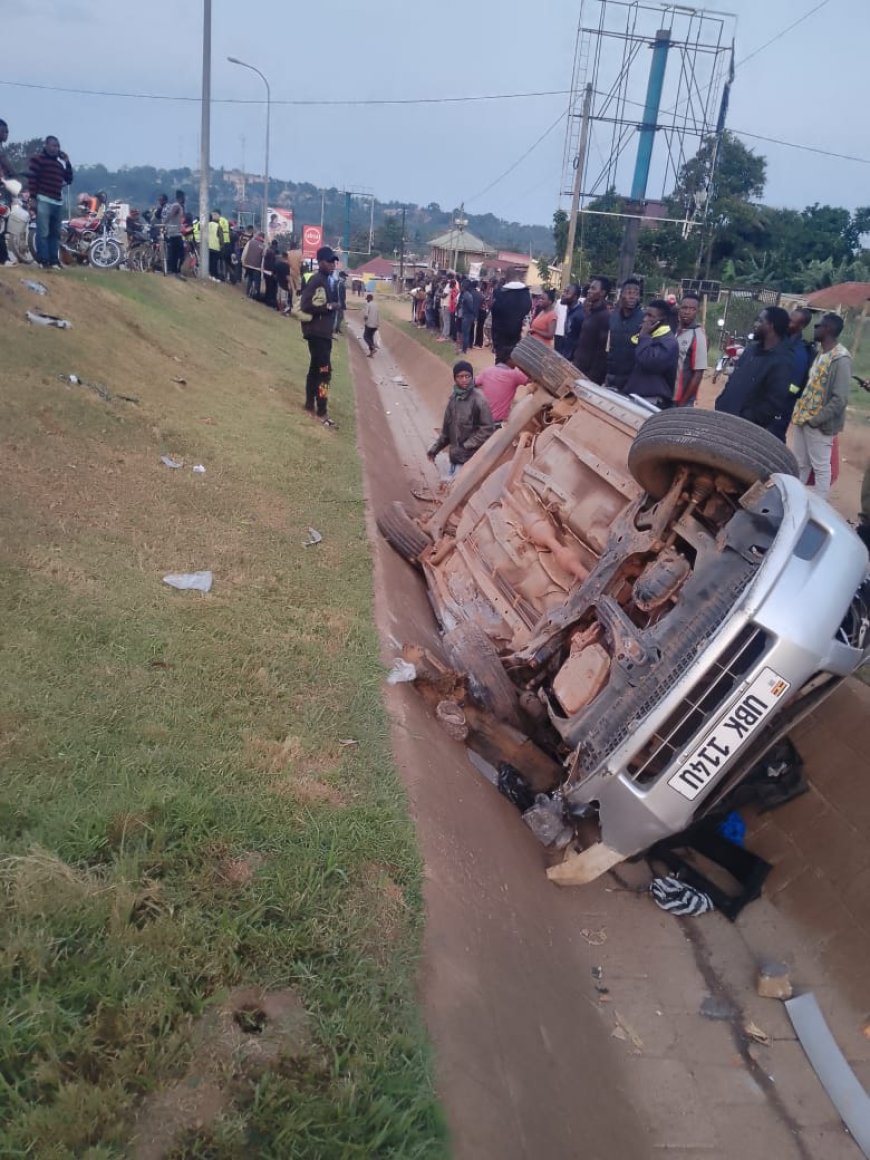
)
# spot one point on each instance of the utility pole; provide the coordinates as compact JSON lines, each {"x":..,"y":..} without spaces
{"x":579,"y":167}
{"x":372,"y":225}
{"x":402,"y":254}
{"x":204,"y":139}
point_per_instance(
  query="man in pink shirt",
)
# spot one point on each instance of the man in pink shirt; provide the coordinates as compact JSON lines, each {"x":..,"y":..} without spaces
{"x":499,"y":385}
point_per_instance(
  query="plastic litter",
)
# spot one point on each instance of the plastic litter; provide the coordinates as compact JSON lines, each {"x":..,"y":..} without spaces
{"x":547,"y":822}
{"x":199,"y":469}
{"x":733,"y":828}
{"x":168,"y":461}
{"x":514,"y":787}
{"x":401,"y":380}
{"x":401,"y":673}
{"x":314,"y":537}
{"x":679,"y":897}
{"x":197,"y":581}
{"x":36,"y":287}
{"x":48,"y":320}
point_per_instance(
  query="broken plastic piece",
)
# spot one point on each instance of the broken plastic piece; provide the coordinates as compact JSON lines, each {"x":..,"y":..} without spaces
{"x":829,"y":1063}
{"x":48,"y":320}
{"x":401,"y":673}
{"x":199,"y":469}
{"x":36,"y":287}
{"x":715,"y":1007}
{"x":198,"y":581}
{"x":168,"y":461}
{"x":547,"y":822}
{"x":314,"y":537}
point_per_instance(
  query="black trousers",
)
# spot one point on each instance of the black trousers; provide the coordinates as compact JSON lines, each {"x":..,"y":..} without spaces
{"x":369,"y":333}
{"x":214,"y":264}
{"x":174,"y":254}
{"x":319,"y":375}
{"x":481,"y":319}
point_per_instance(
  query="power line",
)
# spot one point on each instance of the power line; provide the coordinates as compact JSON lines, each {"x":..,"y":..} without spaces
{"x":777,"y":140}
{"x":806,"y":148}
{"x":783,"y":32}
{"x":276,"y":101}
{"x":519,"y":160}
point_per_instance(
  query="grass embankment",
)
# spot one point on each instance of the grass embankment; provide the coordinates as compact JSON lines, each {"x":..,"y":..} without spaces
{"x":178,"y":815}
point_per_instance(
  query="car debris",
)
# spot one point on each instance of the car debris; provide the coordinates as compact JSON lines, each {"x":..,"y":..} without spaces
{"x":755,"y":1033}
{"x":401,"y":673}
{"x":774,"y":981}
{"x":715,"y":1007}
{"x":198,"y":469}
{"x":36,"y":287}
{"x":39,"y":319}
{"x":168,"y":461}
{"x":314,"y":537}
{"x":614,"y":588}
{"x":196,"y":581}
{"x":830,"y":1065}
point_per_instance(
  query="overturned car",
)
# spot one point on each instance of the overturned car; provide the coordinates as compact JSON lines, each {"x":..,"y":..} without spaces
{"x":635,"y":606}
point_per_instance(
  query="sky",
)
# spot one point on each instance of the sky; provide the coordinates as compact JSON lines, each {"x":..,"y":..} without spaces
{"x":807,"y":87}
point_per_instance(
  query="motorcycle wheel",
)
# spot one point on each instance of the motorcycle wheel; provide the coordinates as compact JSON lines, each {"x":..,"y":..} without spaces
{"x":31,"y":244}
{"x":104,"y":253}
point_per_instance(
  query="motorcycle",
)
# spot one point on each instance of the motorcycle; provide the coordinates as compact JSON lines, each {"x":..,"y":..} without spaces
{"x":733,"y":347}
{"x":91,"y":239}
{"x":15,"y":222}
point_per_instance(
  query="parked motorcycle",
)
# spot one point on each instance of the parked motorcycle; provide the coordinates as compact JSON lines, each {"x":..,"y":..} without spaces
{"x":15,"y":221}
{"x":91,"y":239}
{"x":733,"y":346}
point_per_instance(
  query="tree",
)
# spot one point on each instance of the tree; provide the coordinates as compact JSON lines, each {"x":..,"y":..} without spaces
{"x":732,"y":221}
{"x":18,"y":154}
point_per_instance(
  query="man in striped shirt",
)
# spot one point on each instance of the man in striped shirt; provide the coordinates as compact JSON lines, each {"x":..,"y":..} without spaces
{"x":50,"y":171}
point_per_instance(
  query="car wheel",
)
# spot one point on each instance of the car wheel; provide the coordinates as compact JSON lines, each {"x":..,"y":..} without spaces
{"x":711,"y":439}
{"x":473,"y":654}
{"x":402,"y":533}
{"x":544,"y":366}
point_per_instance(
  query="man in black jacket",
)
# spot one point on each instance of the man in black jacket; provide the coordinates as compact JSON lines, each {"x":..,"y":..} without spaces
{"x":624,"y":323}
{"x":590,"y":353}
{"x":317,"y":305}
{"x":50,"y":171}
{"x":758,"y":387}
{"x":511,"y":304}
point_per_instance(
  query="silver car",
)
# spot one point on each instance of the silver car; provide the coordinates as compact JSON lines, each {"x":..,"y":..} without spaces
{"x":635,"y":606}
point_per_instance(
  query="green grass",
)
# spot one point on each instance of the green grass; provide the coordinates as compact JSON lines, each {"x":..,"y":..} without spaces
{"x":152,"y":741}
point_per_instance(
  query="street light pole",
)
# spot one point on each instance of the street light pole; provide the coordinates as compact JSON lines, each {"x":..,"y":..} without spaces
{"x":204,"y":139}
{"x":265,"y":223}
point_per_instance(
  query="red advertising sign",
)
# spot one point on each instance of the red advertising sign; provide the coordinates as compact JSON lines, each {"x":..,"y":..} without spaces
{"x":312,"y":240}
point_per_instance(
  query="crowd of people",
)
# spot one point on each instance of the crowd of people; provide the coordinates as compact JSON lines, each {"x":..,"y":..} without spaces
{"x":656,"y":352}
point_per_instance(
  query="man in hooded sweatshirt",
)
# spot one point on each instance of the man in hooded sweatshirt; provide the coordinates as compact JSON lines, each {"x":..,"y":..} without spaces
{"x":467,"y":419}
{"x":511,"y":304}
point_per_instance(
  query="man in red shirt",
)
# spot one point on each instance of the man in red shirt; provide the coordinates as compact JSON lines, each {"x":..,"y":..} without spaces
{"x":499,"y":385}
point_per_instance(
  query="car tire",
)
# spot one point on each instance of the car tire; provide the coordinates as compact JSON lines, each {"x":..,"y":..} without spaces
{"x":544,"y":366}
{"x":712,"y":439}
{"x":402,"y":533}
{"x":472,"y":653}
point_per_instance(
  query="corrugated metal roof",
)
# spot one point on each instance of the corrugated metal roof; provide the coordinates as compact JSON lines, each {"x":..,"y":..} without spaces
{"x":461,"y":241}
{"x":849,"y":294}
{"x":379,"y":267}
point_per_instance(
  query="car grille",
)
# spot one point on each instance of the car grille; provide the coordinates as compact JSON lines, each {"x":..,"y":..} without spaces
{"x":708,"y":695}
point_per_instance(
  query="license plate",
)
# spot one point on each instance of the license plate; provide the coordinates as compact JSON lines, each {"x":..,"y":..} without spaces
{"x":727,"y":737}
